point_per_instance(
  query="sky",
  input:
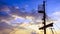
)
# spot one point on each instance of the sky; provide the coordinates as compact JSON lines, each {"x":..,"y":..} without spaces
{"x":52,"y":10}
{"x":52,"y":5}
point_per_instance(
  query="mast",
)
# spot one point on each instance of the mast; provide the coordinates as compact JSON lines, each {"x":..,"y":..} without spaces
{"x":44,"y":18}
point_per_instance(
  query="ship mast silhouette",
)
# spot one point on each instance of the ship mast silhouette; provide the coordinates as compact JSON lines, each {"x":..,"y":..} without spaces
{"x":44,"y":18}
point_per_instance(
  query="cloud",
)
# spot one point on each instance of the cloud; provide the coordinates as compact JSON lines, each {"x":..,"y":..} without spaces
{"x":56,"y":15}
{"x":5,"y":26}
{"x":20,"y":12}
{"x":8,"y":13}
{"x":4,"y":15}
{"x":17,"y":12}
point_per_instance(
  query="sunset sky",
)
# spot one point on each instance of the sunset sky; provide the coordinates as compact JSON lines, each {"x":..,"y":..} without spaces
{"x":8,"y":14}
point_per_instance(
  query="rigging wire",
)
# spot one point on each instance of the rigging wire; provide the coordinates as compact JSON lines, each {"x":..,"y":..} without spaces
{"x":55,"y":30}
{"x":57,"y":26}
{"x":52,"y":30}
